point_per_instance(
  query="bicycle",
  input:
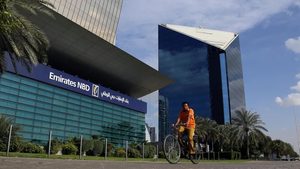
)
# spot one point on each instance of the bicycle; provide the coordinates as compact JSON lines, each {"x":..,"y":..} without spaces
{"x":173,"y":150}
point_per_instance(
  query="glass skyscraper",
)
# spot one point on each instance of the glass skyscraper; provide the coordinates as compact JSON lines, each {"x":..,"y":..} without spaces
{"x":163,"y":117}
{"x":206,"y":67}
{"x":100,"y":17}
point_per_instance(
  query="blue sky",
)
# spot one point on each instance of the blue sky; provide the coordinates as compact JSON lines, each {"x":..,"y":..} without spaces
{"x":270,"y":45}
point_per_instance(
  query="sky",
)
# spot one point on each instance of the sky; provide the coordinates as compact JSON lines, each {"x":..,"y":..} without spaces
{"x":270,"y":46}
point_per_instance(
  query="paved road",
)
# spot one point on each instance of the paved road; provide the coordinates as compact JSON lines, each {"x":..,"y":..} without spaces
{"x":35,"y":163}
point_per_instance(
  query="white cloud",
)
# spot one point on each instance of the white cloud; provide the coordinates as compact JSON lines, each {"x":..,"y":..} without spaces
{"x":278,"y":100}
{"x":293,"y":44}
{"x":137,"y":31}
{"x":292,"y":99}
{"x":297,"y":87}
{"x":297,"y":3}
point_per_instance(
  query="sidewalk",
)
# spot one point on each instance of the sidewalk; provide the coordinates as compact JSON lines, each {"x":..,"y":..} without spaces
{"x":37,"y":163}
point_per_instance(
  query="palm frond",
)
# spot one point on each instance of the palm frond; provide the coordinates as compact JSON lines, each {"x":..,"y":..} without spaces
{"x":34,"y":6}
{"x":19,"y":37}
{"x":2,"y":62}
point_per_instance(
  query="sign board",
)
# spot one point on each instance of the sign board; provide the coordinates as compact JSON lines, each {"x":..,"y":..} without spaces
{"x":66,"y":81}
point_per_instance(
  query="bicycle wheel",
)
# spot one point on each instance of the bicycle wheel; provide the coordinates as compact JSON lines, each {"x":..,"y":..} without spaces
{"x":195,"y":158}
{"x":171,"y":149}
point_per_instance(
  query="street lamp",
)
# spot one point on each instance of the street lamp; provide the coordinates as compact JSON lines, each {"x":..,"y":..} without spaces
{"x":297,"y":131}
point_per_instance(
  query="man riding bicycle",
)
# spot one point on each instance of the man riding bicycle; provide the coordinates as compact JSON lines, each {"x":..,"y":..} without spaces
{"x":187,"y":118}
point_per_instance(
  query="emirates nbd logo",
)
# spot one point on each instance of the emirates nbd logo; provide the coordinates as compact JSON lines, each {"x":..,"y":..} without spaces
{"x":95,"y":91}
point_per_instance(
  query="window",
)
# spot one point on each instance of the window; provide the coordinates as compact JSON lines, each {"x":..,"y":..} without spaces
{"x":28,"y":88}
{"x":25,"y":114}
{"x":39,"y":108}
{"x":25,"y":107}
{"x":9,"y":90}
{"x":23,"y":121}
{"x":30,"y":103}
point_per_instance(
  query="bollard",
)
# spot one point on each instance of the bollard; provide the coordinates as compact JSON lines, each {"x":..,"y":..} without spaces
{"x":143,"y":151}
{"x":126,"y":150}
{"x":80,"y":151}
{"x":49,"y":146}
{"x":157,"y":151}
{"x":9,"y":138}
{"x":105,"y":149}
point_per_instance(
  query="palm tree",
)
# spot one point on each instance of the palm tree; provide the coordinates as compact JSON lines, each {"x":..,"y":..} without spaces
{"x":247,"y":127}
{"x":224,"y":136}
{"x":19,"y":38}
{"x":207,"y":130}
{"x":277,"y":147}
{"x":280,"y":148}
{"x":5,"y":123}
{"x":264,"y":146}
{"x":201,"y":128}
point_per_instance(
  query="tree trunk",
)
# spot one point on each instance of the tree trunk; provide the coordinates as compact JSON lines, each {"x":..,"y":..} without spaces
{"x":212,"y":145}
{"x":248,"y":153}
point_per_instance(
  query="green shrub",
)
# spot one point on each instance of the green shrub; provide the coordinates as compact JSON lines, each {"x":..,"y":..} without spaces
{"x":120,"y":152}
{"x":98,"y":147}
{"x":87,"y":145}
{"x":17,"y":145}
{"x":110,"y":148}
{"x":5,"y":122}
{"x":56,"y":146}
{"x":69,"y":148}
{"x":31,"y":148}
{"x":134,"y":153}
{"x":3,"y":146}
{"x":161,"y":154}
{"x":150,"y":151}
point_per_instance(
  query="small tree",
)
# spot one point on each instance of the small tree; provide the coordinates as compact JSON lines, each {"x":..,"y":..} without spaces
{"x":150,"y":150}
{"x":87,"y":145}
{"x":5,"y":123}
{"x":120,"y":152}
{"x":31,"y":148}
{"x":247,"y":126}
{"x":56,"y":146}
{"x":69,"y":148}
{"x":98,"y":147}
{"x":134,"y":153}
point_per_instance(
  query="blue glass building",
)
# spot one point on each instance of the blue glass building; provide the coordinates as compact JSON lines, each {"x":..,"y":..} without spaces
{"x":69,"y":107}
{"x":207,"y":70}
{"x":67,"y":95}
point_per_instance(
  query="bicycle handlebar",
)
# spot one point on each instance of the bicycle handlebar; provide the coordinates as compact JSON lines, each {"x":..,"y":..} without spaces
{"x":180,"y":124}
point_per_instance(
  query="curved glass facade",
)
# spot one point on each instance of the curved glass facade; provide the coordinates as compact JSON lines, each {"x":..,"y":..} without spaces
{"x":225,"y":95}
{"x":207,"y":77}
{"x":185,"y":60}
{"x":235,"y":76}
{"x":100,"y":17}
{"x":38,"y":108}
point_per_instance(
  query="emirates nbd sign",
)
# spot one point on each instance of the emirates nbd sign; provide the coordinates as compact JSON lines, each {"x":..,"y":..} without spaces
{"x":93,"y":89}
{"x":66,"y":81}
